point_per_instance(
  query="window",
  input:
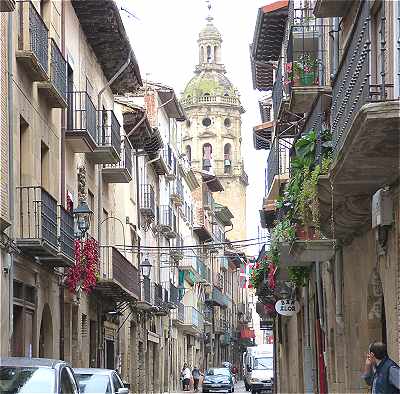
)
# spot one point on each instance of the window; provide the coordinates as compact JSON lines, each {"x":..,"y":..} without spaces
{"x":44,"y":166}
{"x":207,"y":156}
{"x":206,"y":122}
{"x":227,"y":158}
{"x":209,"y":54}
{"x":227,"y":122}
{"x":188,"y":150}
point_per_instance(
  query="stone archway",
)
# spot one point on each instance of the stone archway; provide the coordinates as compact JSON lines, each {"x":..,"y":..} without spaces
{"x":376,"y":308}
{"x":46,"y":334}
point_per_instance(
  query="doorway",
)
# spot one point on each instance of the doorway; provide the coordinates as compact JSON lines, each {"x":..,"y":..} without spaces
{"x":46,"y":334}
{"x":110,"y":356}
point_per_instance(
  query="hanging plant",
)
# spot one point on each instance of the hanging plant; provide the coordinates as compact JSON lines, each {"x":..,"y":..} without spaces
{"x":299,"y":275}
{"x":83,"y":274}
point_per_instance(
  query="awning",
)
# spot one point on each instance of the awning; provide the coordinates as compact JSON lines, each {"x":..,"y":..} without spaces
{"x":223,"y":214}
{"x":267,"y":42}
{"x":247,"y":333}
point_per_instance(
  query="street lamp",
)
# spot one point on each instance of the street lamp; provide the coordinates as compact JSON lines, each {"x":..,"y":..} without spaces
{"x":145,"y":268}
{"x":83,"y":216}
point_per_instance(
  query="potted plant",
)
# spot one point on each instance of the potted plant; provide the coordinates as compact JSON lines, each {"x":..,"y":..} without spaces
{"x":305,"y":70}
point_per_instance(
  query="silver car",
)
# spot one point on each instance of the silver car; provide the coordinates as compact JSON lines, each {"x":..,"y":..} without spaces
{"x":95,"y":381}
{"x":36,"y":375}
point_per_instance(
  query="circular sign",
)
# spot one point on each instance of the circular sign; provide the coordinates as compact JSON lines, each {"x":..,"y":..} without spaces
{"x":287,"y":307}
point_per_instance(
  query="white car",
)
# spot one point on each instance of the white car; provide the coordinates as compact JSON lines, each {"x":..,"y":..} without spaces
{"x":96,"y":380}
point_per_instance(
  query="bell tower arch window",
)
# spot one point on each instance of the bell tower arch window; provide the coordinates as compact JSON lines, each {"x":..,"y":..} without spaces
{"x":227,"y":158}
{"x":188,"y":150}
{"x":207,"y":156}
{"x":209,"y":54}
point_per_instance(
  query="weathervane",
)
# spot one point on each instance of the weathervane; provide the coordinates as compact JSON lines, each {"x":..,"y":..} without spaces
{"x":209,"y":17}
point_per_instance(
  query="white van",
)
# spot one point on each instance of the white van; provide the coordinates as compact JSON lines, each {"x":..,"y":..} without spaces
{"x":258,"y":368}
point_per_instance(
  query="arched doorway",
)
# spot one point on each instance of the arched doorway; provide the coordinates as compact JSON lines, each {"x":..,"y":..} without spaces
{"x":376,"y":309}
{"x":46,"y":334}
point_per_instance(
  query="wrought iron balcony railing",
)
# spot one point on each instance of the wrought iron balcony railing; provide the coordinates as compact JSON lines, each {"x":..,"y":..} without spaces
{"x":147,"y":200}
{"x":277,"y":90}
{"x":277,"y":162}
{"x":110,"y":130}
{"x":58,"y":70}
{"x":66,"y":234}
{"x":194,"y":318}
{"x":202,"y":269}
{"x":120,"y":172}
{"x":354,"y":85}
{"x":81,"y":121}
{"x":167,"y":221}
{"x":224,"y":263}
{"x":37,"y":231}
{"x":146,"y":294}
{"x":173,"y":294}
{"x":178,"y":314}
{"x":116,"y":268}
{"x":158,"y":295}
{"x":33,"y":41}
{"x":307,"y":52}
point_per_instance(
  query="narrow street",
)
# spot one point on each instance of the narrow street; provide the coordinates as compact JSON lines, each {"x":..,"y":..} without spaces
{"x":239,"y":388}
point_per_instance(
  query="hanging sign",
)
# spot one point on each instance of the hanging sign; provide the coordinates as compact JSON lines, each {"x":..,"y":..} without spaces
{"x":287,"y":307}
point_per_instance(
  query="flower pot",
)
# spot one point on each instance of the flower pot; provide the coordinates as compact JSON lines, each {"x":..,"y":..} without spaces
{"x":306,"y":233}
{"x":307,"y":78}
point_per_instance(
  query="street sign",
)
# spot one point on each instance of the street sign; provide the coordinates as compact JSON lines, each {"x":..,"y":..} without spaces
{"x":287,"y":307}
{"x":266,"y":325}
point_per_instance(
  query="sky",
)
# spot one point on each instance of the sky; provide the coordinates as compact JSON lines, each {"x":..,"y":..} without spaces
{"x":164,"y":36}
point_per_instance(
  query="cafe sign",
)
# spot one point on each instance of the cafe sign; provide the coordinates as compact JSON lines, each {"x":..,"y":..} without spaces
{"x":287,"y":307}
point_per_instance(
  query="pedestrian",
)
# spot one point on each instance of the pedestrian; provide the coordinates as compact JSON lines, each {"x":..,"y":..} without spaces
{"x":381,"y":373}
{"x":196,"y":378}
{"x":235,"y":372}
{"x":186,"y":377}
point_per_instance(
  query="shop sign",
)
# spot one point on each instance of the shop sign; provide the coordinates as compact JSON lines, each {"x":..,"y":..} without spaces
{"x":287,"y":307}
{"x":266,"y":324}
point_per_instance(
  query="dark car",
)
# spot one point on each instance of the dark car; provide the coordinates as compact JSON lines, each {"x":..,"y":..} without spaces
{"x":218,"y":379}
{"x":99,"y":381}
{"x":36,"y":375}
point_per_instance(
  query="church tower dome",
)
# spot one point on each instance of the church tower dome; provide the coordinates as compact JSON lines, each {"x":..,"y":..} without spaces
{"x":212,"y":135}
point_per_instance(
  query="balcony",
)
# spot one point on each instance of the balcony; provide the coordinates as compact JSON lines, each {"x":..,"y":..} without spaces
{"x":189,"y":264}
{"x":146,"y":300}
{"x":217,"y":298}
{"x":224,"y":264}
{"x":220,"y":326}
{"x":160,"y":165}
{"x":167,"y":222}
{"x":218,"y":280}
{"x":33,"y":42}
{"x":203,"y":271}
{"x":194,"y":321}
{"x":81,"y":133}
{"x":108,"y":147}
{"x":365,"y":131}
{"x":147,"y":201}
{"x":171,"y":163}
{"x":203,"y":225}
{"x":66,"y":237}
{"x":308,"y":61}
{"x":329,"y":8}
{"x":122,"y":171}
{"x":37,"y":230}
{"x":7,"y":5}
{"x":208,"y":201}
{"x":177,"y":254}
{"x":55,"y":89}
{"x":211,"y":100}
{"x":174,"y":297}
{"x":119,"y":278}
{"x":178,"y":314}
{"x":177,"y":193}
{"x":277,"y":169}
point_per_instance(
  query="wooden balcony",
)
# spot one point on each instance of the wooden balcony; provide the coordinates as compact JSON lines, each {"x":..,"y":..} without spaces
{"x":33,"y":42}
{"x":37,"y":230}
{"x":203,"y":225}
{"x":119,"y":278}
{"x":120,"y":172}
{"x":7,"y":5}
{"x":55,"y":89}
{"x":108,"y":147}
{"x":81,"y":132}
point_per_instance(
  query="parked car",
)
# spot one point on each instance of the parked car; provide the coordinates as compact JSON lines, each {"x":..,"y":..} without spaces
{"x":36,"y":375}
{"x":94,"y":380}
{"x":218,"y":379}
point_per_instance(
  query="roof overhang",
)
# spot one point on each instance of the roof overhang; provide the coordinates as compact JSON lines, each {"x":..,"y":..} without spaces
{"x":212,"y":181}
{"x":267,"y":42}
{"x":171,"y":104}
{"x":223,"y":214}
{"x":154,"y":143}
{"x":136,"y":125}
{"x":105,"y":33}
{"x":262,"y":135}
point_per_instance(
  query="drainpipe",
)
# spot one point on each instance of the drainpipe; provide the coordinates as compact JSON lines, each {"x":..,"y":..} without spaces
{"x":62,"y":188}
{"x":319,"y":294}
{"x":307,"y":359}
{"x":99,"y":177}
{"x":339,"y":288}
{"x":11,"y":185}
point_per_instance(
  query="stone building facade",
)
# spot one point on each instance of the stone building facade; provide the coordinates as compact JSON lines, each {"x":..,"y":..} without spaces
{"x":350,"y":298}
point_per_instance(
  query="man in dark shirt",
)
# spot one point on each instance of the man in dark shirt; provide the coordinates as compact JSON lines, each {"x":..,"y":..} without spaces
{"x":196,"y":378}
{"x":382,"y":373}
